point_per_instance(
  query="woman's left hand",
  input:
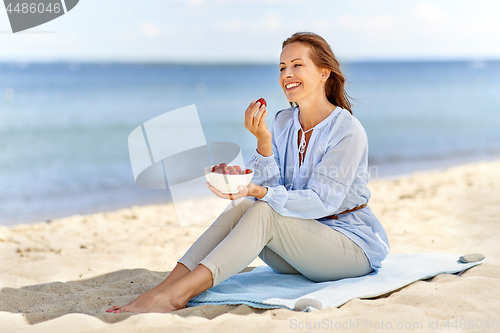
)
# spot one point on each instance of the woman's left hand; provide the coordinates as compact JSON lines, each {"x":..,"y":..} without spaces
{"x":242,"y":193}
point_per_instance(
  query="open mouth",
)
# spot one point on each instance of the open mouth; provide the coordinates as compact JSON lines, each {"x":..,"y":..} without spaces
{"x":292,"y":86}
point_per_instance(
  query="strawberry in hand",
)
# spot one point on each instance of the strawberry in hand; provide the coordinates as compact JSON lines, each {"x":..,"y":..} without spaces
{"x":262,"y":101}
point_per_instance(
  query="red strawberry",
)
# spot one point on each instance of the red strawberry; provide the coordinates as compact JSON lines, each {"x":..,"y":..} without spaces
{"x":262,"y":101}
{"x":234,"y":173}
{"x":237,"y":168}
{"x":247,"y":171}
{"x":214,"y":168}
{"x":222,"y":165}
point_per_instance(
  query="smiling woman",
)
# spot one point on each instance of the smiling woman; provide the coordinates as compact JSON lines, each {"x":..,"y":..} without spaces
{"x":321,"y":55}
{"x":300,"y":215}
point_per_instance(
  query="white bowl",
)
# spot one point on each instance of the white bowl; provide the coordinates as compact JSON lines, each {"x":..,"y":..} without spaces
{"x":227,"y":184}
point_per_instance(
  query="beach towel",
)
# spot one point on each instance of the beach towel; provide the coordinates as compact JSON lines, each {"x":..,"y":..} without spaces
{"x":263,"y":288}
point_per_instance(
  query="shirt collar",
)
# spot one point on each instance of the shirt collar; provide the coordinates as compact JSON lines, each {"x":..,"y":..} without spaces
{"x":322,"y":123}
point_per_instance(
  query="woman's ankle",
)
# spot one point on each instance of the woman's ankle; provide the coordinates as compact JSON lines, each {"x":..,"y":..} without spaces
{"x":179,"y":271}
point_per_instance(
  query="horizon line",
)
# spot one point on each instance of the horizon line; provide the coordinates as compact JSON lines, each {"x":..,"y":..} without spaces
{"x":242,"y":62}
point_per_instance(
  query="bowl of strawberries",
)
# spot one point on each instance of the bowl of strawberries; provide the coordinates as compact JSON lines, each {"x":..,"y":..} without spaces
{"x":227,"y":178}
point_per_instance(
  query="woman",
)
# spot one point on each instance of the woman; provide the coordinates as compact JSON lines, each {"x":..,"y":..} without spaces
{"x":311,"y":165}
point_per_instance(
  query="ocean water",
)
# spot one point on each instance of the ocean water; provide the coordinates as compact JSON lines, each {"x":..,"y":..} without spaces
{"x":64,"y":127}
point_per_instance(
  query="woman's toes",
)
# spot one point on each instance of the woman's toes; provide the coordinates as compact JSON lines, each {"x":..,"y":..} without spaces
{"x":114,"y":308}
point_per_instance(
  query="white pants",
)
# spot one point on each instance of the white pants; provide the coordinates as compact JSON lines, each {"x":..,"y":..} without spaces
{"x":288,"y":245}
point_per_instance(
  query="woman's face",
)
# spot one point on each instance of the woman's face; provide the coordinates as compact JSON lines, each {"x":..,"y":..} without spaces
{"x":299,"y":77}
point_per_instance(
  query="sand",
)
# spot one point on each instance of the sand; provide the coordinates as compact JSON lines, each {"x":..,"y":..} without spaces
{"x":63,"y":275}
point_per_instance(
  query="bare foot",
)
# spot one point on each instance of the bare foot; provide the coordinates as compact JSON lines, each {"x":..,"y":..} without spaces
{"x":172,"y":296}
{"x":156,"y":300}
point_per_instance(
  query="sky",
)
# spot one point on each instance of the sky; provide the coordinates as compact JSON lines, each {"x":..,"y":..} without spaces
{"x":251,"y":31}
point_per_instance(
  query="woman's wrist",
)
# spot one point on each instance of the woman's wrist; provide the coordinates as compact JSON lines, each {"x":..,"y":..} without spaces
{"x":265,"y":148}
{"x":257,"y":191}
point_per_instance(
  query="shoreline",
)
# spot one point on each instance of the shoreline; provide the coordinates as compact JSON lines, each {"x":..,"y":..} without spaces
{"x":436,"y":166}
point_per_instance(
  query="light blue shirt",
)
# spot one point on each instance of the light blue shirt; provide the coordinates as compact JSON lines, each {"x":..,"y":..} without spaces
{"x":332,"y":178}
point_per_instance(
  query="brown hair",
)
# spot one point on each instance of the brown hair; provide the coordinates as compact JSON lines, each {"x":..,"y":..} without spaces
{"x":322,"y":56}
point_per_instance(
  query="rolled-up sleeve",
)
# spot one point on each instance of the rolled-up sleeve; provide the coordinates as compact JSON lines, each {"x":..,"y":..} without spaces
{"x":266,"y":168}
{"x":329,"y":183}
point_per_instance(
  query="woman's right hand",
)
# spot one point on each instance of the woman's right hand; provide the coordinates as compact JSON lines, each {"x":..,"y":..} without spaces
{"x":256,"y":124}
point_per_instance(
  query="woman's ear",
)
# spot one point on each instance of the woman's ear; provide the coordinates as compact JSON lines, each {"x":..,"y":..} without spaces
{"x":325,"y":74}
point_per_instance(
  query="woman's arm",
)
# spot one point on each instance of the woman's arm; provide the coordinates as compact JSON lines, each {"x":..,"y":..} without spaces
{"x":265,"y":162}
{"x":330,"y":180}
{"x":265,"y":148}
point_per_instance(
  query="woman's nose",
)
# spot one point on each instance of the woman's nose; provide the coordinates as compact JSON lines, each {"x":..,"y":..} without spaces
{"x":286,"y":74}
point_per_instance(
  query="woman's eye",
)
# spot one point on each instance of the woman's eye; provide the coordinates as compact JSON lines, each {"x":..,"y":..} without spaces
{"x":282,"y":68}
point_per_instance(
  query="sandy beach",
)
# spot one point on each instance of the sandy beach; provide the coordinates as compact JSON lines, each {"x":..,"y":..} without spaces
{"x":61,"y":276}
